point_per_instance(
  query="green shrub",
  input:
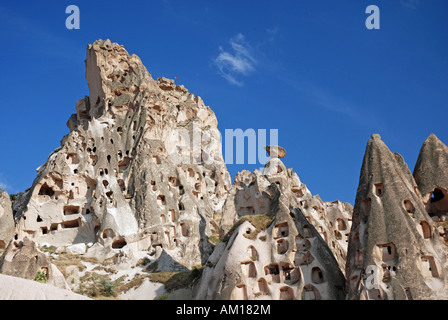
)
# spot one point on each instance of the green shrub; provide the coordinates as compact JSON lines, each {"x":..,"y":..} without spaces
{"x":41,"y":276}
{"x":108,"y":288}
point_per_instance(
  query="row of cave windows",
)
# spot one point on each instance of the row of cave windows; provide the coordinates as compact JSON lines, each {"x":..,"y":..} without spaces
{"x":407,"y":205}
{"x":117,"y":243}
{"x":69,"y":210}
{"x":388,"y":254}
{"x":46,"y":190}
{"x":366,"y":205}
{"x":73,"y":210}
{"x":436,"y":196}
{"x":282,"y":230}
{"x":285,"y":293}
{"x":123,"y":165}
{"x":289,"y":273}
{"x":282,"y":246}
{"x":123,"y":162}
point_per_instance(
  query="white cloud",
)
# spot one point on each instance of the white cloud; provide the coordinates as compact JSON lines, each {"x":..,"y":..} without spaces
{"x":237,"y":61}
{"x":3,"y":186}
{"x":411,"y":4}
{"x":272,"y":33}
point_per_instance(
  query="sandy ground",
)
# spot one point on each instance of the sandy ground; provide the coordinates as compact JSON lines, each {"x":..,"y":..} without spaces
{"x":12,"y":288}
{"x":147,"y":291}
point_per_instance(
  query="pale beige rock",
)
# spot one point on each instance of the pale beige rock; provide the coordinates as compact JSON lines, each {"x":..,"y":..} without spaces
{"x":142,"y":167}
{"x":275,"y":151}
{"x":6,"y":220}
{"x":288,"y":257}
{"x":13,"y":288}
{"x":23,"y":259}
{"x":393,"y":241}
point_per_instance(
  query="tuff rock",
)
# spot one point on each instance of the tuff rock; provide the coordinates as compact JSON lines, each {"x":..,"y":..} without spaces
{"x":394,"y":250}
{"x":139,"y":182}
{"x":6,"y":220}
{"x":24,"y":260}
{"x":278,"y":241}
{"x":141,"y":167}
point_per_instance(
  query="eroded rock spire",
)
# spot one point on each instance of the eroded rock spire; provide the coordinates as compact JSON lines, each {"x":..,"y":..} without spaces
{"x":128,"y":177}
{"x":394,"y":250}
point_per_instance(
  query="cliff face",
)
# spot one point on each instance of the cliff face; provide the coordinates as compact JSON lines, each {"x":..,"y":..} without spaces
{"x":142,"y":167}
{"x":394,"y":249}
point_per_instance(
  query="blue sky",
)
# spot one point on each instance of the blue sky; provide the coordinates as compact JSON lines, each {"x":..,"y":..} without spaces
{"x":310,"y":69}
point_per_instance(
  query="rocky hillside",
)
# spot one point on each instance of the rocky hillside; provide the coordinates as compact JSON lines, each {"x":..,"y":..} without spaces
{"x":137,"y":203}
{"x":127,"y":174}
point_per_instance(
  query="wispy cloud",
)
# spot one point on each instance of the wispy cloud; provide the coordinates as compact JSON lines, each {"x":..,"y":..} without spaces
{"x":272,"y":33}
{"x":3,"y":183}
{"x":236,"y":62}
{"x":411,"y":4}
{"x":327,"y":101}
{"x":323,"y":99}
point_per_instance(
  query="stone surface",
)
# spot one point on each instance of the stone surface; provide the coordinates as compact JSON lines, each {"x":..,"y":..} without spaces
{"x":275,"y":238}
{"x":431,"y":176}
{"x":13,"y":288}
{"x":275,"y":151}
{"x":6,"y":220}
{"x":23,"y":259}
{"x":140,"y":185}
{"x":392,"y":234}
{"x":142,"y":167}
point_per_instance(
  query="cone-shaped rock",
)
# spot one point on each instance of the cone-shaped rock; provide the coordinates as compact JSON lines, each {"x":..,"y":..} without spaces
{"x":431,"y":175}
{"x":394,"y":251}
{"x":277,"y":242}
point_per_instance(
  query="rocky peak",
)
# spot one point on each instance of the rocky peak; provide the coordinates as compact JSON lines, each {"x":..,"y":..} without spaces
{"x":142,"y":167}
{"x":392,"y":233}
{"x":431,"y":169}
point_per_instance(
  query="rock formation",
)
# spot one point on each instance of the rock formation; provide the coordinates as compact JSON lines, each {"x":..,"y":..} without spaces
{"x":141,"y":177}
{"x":13,"y":288}
{"x":394,"y":251}
{"x":275,"y":151}
{"x":141,"y":167}
{"x":275,"y":238}
{"x":431,"y":176}
{"x":6,"y":220}
{"x":24,"y":260}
